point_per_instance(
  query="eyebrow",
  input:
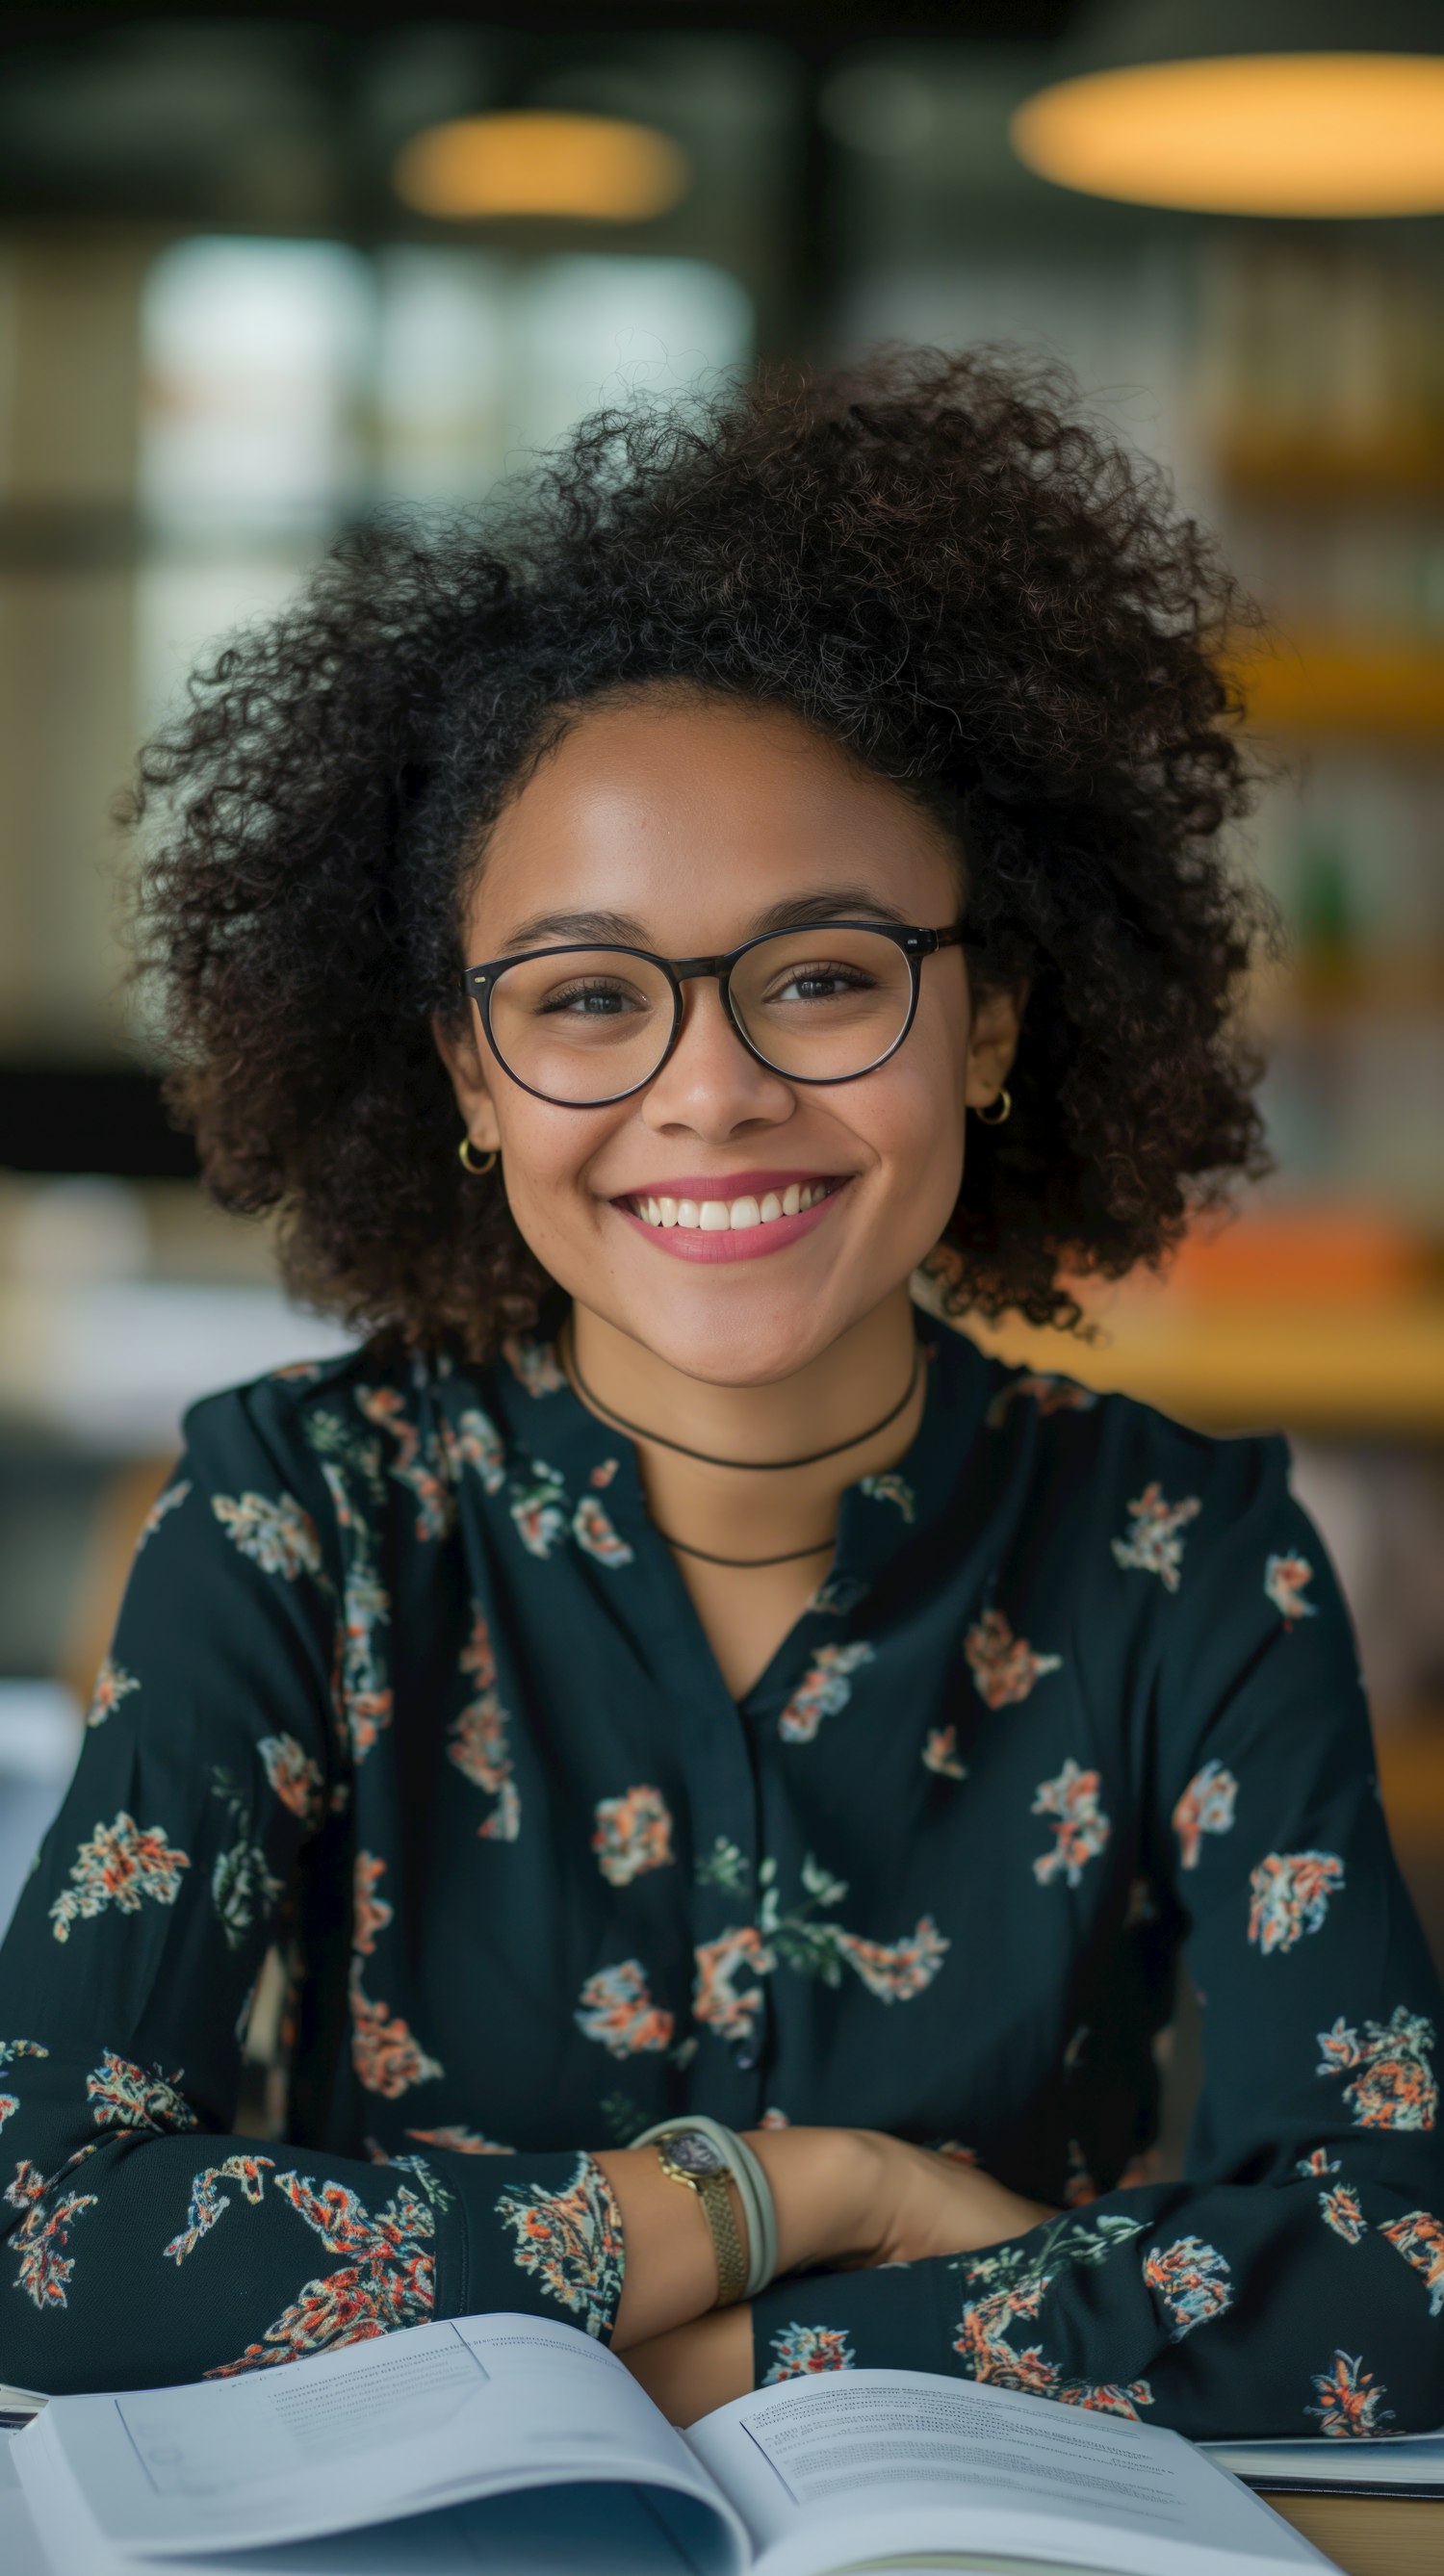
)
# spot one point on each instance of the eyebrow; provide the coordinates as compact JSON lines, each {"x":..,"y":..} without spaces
{"x":793,"y":912}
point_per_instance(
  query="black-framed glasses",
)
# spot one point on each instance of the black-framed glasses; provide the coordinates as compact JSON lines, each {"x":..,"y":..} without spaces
{"x":584,"y":1025}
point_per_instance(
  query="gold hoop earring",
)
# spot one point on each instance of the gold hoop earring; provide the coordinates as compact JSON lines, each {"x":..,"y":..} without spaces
{"x":1006,"y":1098}
{"x":464,"y":1150}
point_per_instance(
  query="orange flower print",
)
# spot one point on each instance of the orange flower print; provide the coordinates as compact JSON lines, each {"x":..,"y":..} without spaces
{"x":719,"y":1999}
{"x":123,"y":2096}
{"x":539,"y":1509}
{"x":1393,"y":2086}
{"x":207,"y":2201}
{"x":384,"y":2054}
{"x":370,"y":1913}
{"x":1284,"y":1580}
{"x":472,"y":1441}
{"x":1349,"y":2401}
{"x":365,"y":1693}
{"x":460,"y":2141}
{"x":823,"y":1690}
{"x":165,"y":1501}
{"x":1153,"y":1543}
{"x":956,"y":2152}
{"x":1142,"y":2168}
{"x":121,"y":1863}
{"x":633,"y":1833}
{"x":10,"y":2050}
{"x":479,"y":1744}
{"x":1419,"y":2237}
{"x":533,"y":1364}
{"x":1080,"y":2186}
{"x":803,"y":2349}
{"x":385,"y":1406}
{"x":43,"y":2266}
{"x":1108,"y":2397}
{"x":112,"y":1685}
{"x":1191,"y":2279}
{"x":772,"y":2118}
{"x":1049,"y":1389}
{"x":891,"y":1488}
{"x":1317,"y":2161}
{"x":1206,"y":1807}
{"x":895,"y":1971}
{"x":294,"y":1776}
{"x":1342,"y":2212}
{"x":1004,"y":1667}
{"x":616,"y":2008}
{"x":1080,"y":1829}
{"x":572,"y":2241}
{"x":593,"y":1530}
{"x":1289,"y":1895}
{"x":940,"y":1753}
{"x":276,"y":1535}
{"x":386,"y":2281}
{"x":1017,"y":2282}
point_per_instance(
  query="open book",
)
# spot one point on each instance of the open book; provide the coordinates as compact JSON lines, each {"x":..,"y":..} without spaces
{"x":511,"y":2443}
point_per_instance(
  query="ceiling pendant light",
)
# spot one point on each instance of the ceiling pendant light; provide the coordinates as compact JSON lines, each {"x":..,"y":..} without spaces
{"x":1247,"y":107}
{"x":525,"y":161}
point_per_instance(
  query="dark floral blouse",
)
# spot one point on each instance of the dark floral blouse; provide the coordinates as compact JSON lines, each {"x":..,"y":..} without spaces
{"x":407,"y":1691}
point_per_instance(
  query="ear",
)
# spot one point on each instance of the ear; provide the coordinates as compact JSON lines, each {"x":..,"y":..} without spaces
{"x":993,"y":1043}
{"x":462,"y":1056}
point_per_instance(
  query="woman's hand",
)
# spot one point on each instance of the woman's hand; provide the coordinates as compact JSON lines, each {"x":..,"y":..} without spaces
{"x":846,"y":2199}
{"x":922,"y":2203}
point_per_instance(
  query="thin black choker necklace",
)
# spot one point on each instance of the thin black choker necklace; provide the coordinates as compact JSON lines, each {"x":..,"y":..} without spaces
{"x":760,"y":1466}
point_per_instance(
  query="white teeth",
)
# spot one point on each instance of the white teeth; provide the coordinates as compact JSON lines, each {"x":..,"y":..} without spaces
{"x":716,"y":1216}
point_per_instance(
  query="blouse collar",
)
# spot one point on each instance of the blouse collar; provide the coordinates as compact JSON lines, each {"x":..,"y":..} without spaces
{"x":545,"y":1426}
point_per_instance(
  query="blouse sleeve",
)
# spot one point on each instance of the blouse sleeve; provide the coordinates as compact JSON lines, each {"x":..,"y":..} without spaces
{"x":144,"y":2240}
{"x":1293,"y":2281}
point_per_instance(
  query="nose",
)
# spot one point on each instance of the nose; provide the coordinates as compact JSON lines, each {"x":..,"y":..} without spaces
{"x":711,"y":1080}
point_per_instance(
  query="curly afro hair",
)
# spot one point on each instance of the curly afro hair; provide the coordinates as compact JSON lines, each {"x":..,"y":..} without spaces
{"x":931,"y":556}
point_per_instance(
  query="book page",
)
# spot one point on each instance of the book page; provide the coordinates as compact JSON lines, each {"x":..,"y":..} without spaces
{"x":398,"y":2424}
{"x":858,"y":2467}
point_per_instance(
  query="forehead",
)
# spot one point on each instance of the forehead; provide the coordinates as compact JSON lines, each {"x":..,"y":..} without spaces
{"x":653,"y":804}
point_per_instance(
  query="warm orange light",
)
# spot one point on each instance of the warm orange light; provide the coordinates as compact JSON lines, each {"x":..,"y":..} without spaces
{"x":529,"y":163}
{"x":1249,"y":134}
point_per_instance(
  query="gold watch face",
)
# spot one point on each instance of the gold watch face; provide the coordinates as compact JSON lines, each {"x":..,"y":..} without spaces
{"x":693,"y":2155}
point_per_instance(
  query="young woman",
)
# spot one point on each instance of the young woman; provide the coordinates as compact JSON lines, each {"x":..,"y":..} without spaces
{"x":666,"y":1669}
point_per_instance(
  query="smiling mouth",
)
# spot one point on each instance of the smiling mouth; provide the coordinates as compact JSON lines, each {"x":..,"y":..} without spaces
{"x":719,"y":1216}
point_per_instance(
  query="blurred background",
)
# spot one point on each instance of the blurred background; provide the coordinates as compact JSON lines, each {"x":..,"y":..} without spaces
{"x":260,"y":272}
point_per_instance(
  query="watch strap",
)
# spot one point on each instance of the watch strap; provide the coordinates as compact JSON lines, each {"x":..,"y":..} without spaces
{"x":711,"y":2190}
{"x":753,"y":2189}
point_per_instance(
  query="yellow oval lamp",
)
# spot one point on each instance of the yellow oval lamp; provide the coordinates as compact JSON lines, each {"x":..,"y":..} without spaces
{"x":526,"y":161}
{"x":1315,"y":109}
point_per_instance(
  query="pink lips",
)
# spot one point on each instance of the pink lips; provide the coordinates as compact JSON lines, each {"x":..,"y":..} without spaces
{"x":729,"y":1243}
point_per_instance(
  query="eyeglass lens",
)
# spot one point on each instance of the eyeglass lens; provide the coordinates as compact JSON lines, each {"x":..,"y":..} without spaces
{"x":583,"y":1024}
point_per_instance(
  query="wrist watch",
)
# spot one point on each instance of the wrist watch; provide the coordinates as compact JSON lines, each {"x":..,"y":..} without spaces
{"x":690,"y":2157}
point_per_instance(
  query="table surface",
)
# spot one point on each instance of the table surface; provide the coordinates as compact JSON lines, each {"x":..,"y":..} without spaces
{"x":1370,"y":2535}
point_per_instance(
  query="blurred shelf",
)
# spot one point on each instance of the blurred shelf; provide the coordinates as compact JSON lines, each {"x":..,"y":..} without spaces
{"x":1327,"y":684}
{"x":1410,"y":1746}
{"x":1300,"y":466}
{"x":1324,"y":986}
{"x":1358,"y":1366}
